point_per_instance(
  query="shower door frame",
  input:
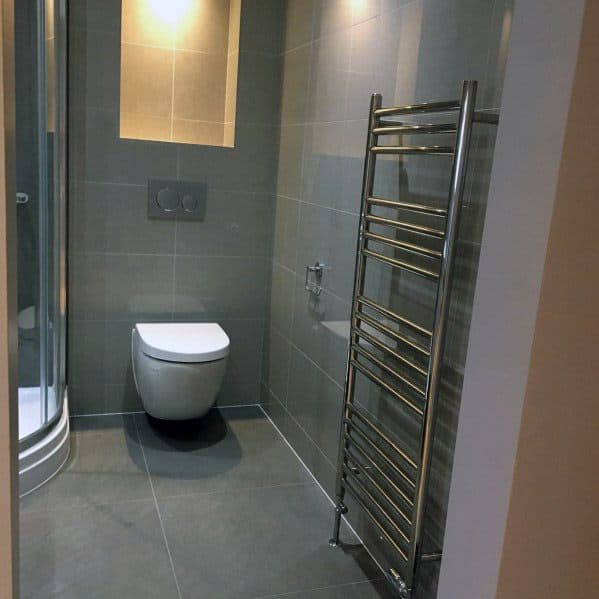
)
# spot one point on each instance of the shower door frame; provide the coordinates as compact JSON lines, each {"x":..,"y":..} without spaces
{"x":53,"y":294}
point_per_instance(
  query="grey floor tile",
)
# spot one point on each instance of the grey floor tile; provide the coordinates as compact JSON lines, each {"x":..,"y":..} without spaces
{"x":105,"y":466}
{"x":233,"y":448}
{"x":96,"y":552}
{"x":258,"y":542}
{"x":377,"y":589}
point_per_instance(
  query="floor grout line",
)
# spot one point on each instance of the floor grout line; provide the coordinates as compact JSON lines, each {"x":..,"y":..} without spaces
{"x":168,"y":550}
{"x":330,"y":586}
{"x":330,"y":500}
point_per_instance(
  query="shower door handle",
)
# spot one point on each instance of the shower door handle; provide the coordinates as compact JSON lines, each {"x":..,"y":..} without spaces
{"x":22,"y":198}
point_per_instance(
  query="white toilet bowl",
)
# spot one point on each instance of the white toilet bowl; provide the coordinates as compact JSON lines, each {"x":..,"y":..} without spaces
{"x":178,"y":367}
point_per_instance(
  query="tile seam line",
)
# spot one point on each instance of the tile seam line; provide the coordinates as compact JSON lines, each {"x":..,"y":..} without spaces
{"x":345,"y":520}
{"x":157,"y":508}
{"x":325,"y":588}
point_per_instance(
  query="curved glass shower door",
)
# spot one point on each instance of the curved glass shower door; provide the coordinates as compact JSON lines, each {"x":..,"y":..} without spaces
{"x":40,"y":76}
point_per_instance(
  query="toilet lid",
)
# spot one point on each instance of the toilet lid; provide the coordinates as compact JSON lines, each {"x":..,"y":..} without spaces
{"x":182,"y":341}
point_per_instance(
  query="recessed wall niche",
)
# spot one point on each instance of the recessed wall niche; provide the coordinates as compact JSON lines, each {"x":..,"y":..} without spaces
{"x":179,"y":61}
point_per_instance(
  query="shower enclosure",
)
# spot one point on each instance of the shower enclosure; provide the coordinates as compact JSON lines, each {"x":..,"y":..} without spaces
{"x":40,"y":72}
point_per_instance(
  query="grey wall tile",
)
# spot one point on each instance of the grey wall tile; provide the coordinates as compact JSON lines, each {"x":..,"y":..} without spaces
{"x":321,"y":329}
{"x":282,"y":291}
{"x":261,"y":29}
{"x":234,"y":224}
{"x":315,"y":402}
{"x":242,"y":379}
{"x":291,"y":144}
{"x":214,"y":287}
{"x":295,"y":81}
{"x":107,"y":217}
{"x":98,"y":154}
{"x":328,"y":236}
{"x":120,"y":287}
{"x":276,"y":362}
{"x":259,"y":88}
{"x":286,"y":230}
{"x":298,"y":23}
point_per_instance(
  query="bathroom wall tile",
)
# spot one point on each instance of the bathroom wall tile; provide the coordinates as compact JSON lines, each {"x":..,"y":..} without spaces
{"x":282,"y":290}
{"x":99,"y":398}
{"x":106,"y":217}
{"x":295,"y":81}
{"x":140,"y":24}
{"x":328,"y":77}
{"x":205,"y":27}
{"x":328,"y":236}
{"x":93,"y":78}
{"x":284,"y":521}
{"x":141,"y":93}
{"x":276,"y":362}
{"x":242,"y":379}
{"x":323,"y":469}
{"x":199,"y":86}
{"x":259,"y":88}
{"x":299,"y":18}
{"x":96,"y":15}
{"x":119,"y":548}
{"x":331,"y":15}
{"x":289,"y":177}
{"x":105,"y":357}
{"x":286,"y":230}
{"x":321,"y":329}
{"x":234,"y":224}
{"x":249,"y":166}
{"x":315,"y":402}
{"x":120,"y":286}
{"x":216,"y":287}
{"x":96,"y":152}
{"x":197,"y":132}
{"x":144,"y":127}
{"x":333,"y":162}
{"x":261,"y":29}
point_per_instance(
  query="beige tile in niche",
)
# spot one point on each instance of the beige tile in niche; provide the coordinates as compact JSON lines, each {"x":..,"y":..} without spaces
{"x":146,"y":80}
{"x":143,"y":126}
{"x":199,"y":93}
{"x":198,"y":132}
{"x":205,"y":27}
{"x":142,"y":24}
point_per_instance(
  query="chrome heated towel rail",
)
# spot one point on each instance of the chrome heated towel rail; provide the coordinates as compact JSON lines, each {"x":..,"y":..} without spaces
{"x":386,"y":481}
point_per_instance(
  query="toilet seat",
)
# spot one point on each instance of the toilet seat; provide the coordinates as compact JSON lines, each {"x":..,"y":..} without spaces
{"x":183,"y":342}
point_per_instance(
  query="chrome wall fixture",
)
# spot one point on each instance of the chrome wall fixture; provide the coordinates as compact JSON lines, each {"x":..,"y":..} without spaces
{"x":314,"y":278}
{"x":387,"y":480}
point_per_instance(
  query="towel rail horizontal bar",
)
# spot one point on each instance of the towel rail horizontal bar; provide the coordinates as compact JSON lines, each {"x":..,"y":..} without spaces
{"x":381,"y":383}
{"x":389,"y":351}
{"x":403,"y":245}
{"x":417,"y":270}
{"x":364,"y":418}
{"x":398,"y":224}
{"x":393,"y":465}
{"x":431,"y":557}
{"x":360,"y":471}
{"x":432,"y":150}
{"x":374,"y":501}
{"x":390,"y":128}
{"x":375,"y":521}
{"x":393,"y":316}
{"x":375,"y":360}
{"x":407,"y":206}
{"x":352,"y":446}
{"x":447,"y":106}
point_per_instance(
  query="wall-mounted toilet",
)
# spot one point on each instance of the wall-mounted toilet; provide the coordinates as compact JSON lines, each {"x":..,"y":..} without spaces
{"x":178,"y":367}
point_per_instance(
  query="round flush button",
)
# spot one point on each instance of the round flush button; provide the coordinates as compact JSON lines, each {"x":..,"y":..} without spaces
{"x":167,"y":199}
{"x":190,"y":203}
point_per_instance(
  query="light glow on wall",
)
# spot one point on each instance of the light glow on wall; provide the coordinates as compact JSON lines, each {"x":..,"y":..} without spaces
{"x":170,"y":11}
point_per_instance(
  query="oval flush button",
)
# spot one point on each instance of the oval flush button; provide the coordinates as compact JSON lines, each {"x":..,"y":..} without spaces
{"x":167,"y":199}
{"x":190,"y":203}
